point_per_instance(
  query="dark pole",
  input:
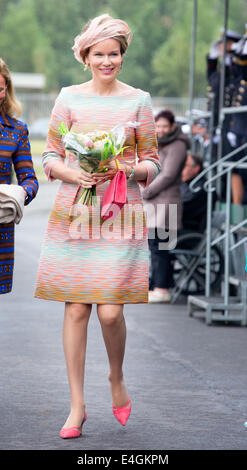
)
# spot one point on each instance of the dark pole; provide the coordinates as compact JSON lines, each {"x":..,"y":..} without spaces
{"x":221,"y":116}
{"x":222,"y":82}
{"x":192,"y":64}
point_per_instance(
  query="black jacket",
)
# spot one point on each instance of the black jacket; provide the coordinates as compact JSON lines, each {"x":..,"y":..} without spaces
{"x":194,"y":215}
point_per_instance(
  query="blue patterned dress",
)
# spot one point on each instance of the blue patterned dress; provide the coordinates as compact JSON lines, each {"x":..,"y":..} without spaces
{"x":14,"y":151}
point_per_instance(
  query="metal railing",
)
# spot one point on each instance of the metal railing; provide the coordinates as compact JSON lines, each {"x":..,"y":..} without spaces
{"x":214,"y":173}
{"x":39,"y":105}
{"x":36,"y":105}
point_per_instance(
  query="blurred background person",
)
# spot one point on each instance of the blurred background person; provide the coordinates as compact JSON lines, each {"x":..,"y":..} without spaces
{"x":200,"y":138}
{"x":238,"y":127}
{"x":214,"y":63}
{"x":194,"y":203}
{"x":14,"y":152}
{"x":165,"y":189}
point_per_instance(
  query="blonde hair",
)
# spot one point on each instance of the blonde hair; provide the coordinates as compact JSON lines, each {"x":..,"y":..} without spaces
{"x":10,"y":104}
{"x":98,"y":29}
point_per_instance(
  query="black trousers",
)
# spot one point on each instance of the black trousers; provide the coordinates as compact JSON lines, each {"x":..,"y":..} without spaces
{"x":161,"y":270}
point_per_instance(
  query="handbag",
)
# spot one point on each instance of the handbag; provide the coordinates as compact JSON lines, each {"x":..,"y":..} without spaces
{"x":115,"y":195}
{"x":12,"y":199}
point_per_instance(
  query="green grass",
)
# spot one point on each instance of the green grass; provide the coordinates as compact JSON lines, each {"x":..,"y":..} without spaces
{"x":40,"y":174}
{"x":37,"y":163}
{"x":37,"y":147}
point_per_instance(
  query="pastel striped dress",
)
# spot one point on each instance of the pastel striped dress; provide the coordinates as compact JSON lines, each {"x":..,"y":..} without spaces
{"x":83,"y":258}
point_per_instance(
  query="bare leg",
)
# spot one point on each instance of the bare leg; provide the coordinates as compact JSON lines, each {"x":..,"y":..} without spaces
{"x":114,"y":333}
{"x":74,"y":342}
{"x":237,"y":189}
{"x":160,"y":290}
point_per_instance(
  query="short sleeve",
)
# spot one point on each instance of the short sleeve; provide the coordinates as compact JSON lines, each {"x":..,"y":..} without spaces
{"x":146,"y":141}
{"x":54,"y":150}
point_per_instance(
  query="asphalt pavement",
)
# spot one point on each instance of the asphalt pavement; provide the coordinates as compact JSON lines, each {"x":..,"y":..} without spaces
{"x":187,"y":381}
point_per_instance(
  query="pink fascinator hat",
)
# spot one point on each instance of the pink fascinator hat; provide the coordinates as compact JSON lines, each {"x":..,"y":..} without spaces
{"x":100,"y":28}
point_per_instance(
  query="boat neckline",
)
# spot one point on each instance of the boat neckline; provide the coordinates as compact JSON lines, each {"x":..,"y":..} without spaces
{"x":131,"y":92}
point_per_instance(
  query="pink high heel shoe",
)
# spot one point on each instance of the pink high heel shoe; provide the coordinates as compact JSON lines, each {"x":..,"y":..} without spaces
{"x":71,"y":433}
{"x":122,"y":413}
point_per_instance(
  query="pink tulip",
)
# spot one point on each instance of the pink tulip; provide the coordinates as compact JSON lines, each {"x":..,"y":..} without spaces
{"x":89,"y":144}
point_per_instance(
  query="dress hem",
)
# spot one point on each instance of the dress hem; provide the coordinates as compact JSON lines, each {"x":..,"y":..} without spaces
{"x":90,"y":302}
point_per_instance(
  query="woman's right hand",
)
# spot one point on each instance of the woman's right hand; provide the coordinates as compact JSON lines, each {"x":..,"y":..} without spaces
{"x":83,"y":178}
{"x":72,"y":175}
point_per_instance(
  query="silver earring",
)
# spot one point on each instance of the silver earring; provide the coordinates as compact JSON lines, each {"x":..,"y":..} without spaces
{"x":86,"y":67}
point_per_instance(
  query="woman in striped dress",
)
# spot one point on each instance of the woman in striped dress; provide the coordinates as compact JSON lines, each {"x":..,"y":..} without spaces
{"x":108,"y":268}
{"x":14,"y":151}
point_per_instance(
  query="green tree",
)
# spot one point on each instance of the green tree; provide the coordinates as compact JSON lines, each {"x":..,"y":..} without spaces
{"x":37,"y":36}
{"x":19,"y":35}
{"x":147,"y":21}
{"x":24,"y":47}
{"x":60,"y":22}
{"x":171,"y":60}
{"x":3,"y":8}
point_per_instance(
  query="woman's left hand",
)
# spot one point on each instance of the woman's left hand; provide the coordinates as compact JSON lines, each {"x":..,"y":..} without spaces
{"x":112,"y":169}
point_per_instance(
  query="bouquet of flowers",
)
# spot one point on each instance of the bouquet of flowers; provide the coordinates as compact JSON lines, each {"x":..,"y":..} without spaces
{"x":94,"y":151}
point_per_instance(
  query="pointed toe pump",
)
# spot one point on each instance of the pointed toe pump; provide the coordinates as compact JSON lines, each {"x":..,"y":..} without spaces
{"x":70,"y":433}
{"x":122,"y":413}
